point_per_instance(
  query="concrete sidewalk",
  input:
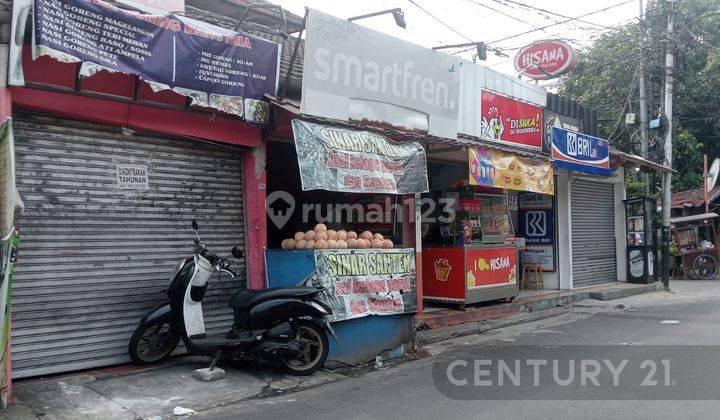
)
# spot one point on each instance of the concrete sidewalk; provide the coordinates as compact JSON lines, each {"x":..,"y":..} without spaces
{"x":528,"y":301}
{"x":147,"y":393}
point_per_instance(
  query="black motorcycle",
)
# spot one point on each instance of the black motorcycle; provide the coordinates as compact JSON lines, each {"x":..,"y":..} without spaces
{"x":286,"y":325}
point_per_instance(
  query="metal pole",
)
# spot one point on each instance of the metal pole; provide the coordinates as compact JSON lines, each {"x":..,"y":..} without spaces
{"x":667,"y":176}
{"x":705,"y":183}
{"x":643,"y":99}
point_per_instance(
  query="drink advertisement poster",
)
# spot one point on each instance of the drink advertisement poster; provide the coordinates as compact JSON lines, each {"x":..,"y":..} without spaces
{"x":360,"y":282}
{"x":508,"y":121}
{"x":494,"y":168}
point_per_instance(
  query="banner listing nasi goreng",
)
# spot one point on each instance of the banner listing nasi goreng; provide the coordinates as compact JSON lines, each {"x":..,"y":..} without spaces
{"x":366,"y":282}
{"x":493,"y":168}
{"x":215,"y":67}
{"x":506,"y":120}
{"x":339,"y":159}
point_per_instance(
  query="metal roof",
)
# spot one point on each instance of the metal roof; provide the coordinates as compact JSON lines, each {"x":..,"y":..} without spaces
{"x":463,"y":140}
{"x":693,"y":218}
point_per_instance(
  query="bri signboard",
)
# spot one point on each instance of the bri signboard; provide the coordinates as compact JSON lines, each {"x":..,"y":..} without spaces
{"x":579,"y":152}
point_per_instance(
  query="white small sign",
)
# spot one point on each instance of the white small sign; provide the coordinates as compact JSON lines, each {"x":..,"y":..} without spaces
{"x":132,"y":177}
{"x":512,"y":202}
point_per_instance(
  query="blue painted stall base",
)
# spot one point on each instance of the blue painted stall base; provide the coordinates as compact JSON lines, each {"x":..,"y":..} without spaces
{"x":361,"y":338}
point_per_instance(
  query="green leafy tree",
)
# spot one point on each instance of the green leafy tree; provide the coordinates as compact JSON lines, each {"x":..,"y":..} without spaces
{"x":606,"y":79}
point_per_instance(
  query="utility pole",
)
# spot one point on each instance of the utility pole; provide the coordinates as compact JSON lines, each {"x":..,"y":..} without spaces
{"x":667,"y":176}
{"x":643,"y":99}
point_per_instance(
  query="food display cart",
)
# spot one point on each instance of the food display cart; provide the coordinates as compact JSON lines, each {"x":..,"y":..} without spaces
{"x":694,"y":249}
{"x":474,"y":258}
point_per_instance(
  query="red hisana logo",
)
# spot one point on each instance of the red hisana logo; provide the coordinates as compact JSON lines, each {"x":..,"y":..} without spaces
{"x":546,"y":59}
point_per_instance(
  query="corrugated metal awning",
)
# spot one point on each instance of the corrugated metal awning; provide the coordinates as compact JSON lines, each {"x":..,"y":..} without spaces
{"x":463,"y":140}
{"x":693,"y":218}
{"x":639,"y":162}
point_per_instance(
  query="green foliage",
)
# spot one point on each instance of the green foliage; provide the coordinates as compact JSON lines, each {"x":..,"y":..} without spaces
{"x":606,"y":76}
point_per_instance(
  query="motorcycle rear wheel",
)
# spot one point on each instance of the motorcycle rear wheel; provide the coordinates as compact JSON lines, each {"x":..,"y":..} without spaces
{"x":316,"y":339}
{"x":153,"y":343}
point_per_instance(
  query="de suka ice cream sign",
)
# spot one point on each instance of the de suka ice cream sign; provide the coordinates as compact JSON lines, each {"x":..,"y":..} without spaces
{"x":545,"y":59}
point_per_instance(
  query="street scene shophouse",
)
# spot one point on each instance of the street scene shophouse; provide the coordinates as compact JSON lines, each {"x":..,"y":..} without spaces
{"x":468,"y":189}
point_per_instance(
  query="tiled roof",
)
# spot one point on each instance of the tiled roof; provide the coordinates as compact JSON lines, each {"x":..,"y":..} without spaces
{"x":693,"y":198}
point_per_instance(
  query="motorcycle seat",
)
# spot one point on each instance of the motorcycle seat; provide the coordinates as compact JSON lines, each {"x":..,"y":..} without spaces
{"x":246,"y":298}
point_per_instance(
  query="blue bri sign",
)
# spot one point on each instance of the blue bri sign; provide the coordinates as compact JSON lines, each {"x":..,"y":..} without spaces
{"x":580,"y":152}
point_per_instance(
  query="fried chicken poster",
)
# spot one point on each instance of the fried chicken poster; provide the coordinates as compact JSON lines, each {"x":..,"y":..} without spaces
{"x":493,"y":168}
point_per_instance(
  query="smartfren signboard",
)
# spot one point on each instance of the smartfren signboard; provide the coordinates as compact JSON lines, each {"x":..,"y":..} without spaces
{"x":354,"y":73}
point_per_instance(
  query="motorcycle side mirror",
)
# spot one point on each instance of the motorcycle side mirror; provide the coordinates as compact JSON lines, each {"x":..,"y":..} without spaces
{"x":237,"y":252}
{"x":195,"y":225}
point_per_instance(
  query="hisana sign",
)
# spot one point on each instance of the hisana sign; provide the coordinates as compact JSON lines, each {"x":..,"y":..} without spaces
{"x":545,"y":59}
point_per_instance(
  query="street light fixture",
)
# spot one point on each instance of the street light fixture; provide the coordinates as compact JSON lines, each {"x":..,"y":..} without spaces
{"x":397,"y":13}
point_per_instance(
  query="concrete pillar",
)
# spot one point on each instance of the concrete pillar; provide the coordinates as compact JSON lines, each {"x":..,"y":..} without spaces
{"x":564,"y":230}
{"x":255,"y":192}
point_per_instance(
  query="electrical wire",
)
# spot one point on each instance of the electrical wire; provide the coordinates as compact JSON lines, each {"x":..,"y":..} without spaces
{"x":540,"y":9}
{"x":503,"y":13}
{"x":440,"y":21}
{"x":550,"y":25}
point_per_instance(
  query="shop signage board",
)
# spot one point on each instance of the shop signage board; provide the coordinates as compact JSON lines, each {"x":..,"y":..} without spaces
{"x":351,"y":72}
{"x":546,"y":59}
{"x":497,"y":169}
{"x":505,"y":120}
{"x":339,"y":159}
{"x":553,"y":119}
{"x":580,"y":152}
{"x":475,"y":79}
{"x":536,"y":225}
{"x":362,"y":282}
{"x":491,"y":267}
{"x":215,"y":67}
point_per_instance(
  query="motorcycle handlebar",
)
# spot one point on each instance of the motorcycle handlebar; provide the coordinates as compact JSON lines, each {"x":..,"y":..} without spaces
{"x":219,"y":263}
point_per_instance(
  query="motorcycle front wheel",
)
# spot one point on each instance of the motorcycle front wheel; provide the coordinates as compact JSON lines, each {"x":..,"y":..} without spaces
{"x":153,"y":343}
{"x":315,"y":341}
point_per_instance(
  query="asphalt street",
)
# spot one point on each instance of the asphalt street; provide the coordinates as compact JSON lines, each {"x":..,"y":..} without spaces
{"x":649,"y":356}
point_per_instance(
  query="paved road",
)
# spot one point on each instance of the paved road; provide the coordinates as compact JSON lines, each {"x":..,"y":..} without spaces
{"x":409,"y":391}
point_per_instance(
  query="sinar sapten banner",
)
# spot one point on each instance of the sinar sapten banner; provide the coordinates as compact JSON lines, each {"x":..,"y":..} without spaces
{"x":216,"y":68}
{"x":339,"y":159}
{"x":361,"y":282}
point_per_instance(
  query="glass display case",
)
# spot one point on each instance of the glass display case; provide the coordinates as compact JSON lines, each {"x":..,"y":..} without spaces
{"x":641,"y":241}
{"x":484,"y":218}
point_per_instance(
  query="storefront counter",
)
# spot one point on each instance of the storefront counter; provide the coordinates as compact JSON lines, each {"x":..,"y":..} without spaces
{"x":471,"y":273}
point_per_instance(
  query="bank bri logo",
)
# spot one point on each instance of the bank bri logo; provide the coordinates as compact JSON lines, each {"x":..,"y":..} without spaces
{"x":579,"y":152}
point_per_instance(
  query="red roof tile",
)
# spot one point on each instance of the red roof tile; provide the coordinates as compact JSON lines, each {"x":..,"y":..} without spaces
{"x":693,"y":198}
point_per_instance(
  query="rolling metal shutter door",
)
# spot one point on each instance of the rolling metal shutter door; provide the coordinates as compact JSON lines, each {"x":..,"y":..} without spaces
{"x":593,"y":233}
{"x":95,"y":258}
